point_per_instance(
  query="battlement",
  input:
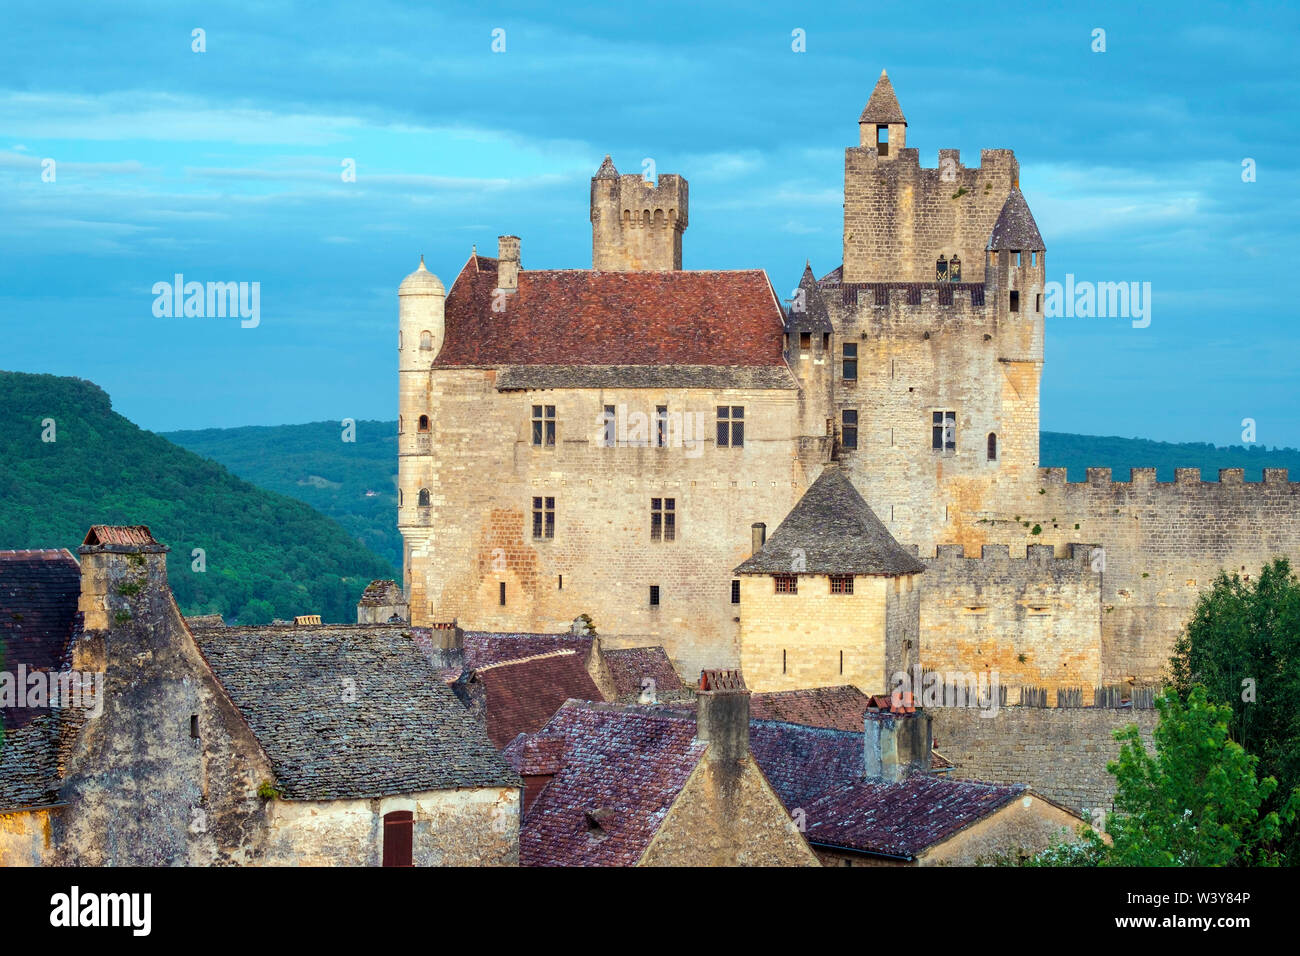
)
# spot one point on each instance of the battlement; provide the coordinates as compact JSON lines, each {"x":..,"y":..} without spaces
{"x":955,"y":295}
{"x":1077,"y":555}
{"x":1272,"y":477}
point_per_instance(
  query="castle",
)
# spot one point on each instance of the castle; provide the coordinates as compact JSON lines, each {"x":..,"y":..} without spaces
{"x":617,"y":441}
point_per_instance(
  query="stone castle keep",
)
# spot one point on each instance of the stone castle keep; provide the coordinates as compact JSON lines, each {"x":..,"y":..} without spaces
{"x":620,"y":440}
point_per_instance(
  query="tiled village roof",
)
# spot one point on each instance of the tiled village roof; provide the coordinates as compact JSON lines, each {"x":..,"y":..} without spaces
{"x":381,"y":594}
{"x":522,"y":695}
{"x":582,"y":317}
{"x":838,"y":708}
{"x":883,"y":106}
{"x":535,"y":754}
{"x":402,"y":731}
{"x":833,"y":531}
{"x":127,"y":536}
{"x":491,"y":647}
{"x":515,"y":377}
{"x":38,"y":613}
{"x":812,"y":315}
{"x":630,"y":666}
{"x":901,"y":819}
{"x":623,"y":769}
{"x":802,"y":763}
{"x":1015,"y":228}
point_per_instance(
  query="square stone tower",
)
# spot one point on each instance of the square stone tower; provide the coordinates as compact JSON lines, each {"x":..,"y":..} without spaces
{"x":637,"y":225}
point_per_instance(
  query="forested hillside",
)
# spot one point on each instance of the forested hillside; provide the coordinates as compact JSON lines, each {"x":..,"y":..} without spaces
{"x":266,"y":554}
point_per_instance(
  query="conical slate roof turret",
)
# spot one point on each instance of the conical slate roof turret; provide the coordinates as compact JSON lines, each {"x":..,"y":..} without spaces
{"x":607,"y":170}
{"x":883,"y":107}
{"x":809,"y":314}
{"x":1015,"y":228}
{"x":832,"y":530}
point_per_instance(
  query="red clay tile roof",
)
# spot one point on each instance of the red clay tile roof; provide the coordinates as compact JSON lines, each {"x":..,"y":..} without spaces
{"x":623,"y":770}
{"x":38,"y":613}
{"x":492,"y":647}
{"x":629,"y":666}
{"x":902,"y":819}
{"x":130,"y":536}
{"x":839,"y":708}
{"x":522,"y":695}
{"x":536,"y":754}
{"x":581,"y":317}
{"x":802,"y":763}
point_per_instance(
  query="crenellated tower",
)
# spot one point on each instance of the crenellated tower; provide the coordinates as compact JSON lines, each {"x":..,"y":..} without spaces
{"x":637,"y":225}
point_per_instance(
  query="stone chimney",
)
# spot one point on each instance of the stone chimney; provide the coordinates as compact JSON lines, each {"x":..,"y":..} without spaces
{"x":117,"y":563}
{"x":722,"y":715}
{"x":757,"y":537}
{"x":508,"y":263}
{"x":897,"y":744}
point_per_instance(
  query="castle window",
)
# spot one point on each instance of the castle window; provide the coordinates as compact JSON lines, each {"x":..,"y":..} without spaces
{"x":610,"y":436}
{"x":882,"y":139}
{"x":501,"y":593}
{"x":1015,"y":301}
{"x":841,"y":584}
{"x":805,"y":341}
{"x":993,"y":446}
{"x":399,"y":832}
{"x":954,"y":269}
{"x":194,"y":726}
{"x":401,"y":424}
{"x":426,"y":341}
{"x":663,"y":519}
{"x":849,"y":428}
{"x":841,"y":662}
{"x":786,"y":583}
{"x":423,"y":499}
{"x":943,"y":431}
{"x":1016,"y":253}
{"x":424,"y":423}
{"x":544,"y":425}
{"x":731,"y":426}
{"x":782,"y":660}
{"x":1038,"y":302}
{"x":735,"y":591}
{"x":399,"y":497}
{"x":661,"y":426}
{"x":543,"y":517}
{"x":1033,"y":258}
{"x":826,"y":341}
{"x":654,"y":595}
{"x":941,"y":269}
{"x":850,"y":371}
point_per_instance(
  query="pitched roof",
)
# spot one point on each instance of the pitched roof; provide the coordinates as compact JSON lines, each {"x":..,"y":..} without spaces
{"x":402,"y":731}
{"x":631,"y":665}
{"x":491,"y":647}
{"x":38,"y":614}
{"x":1015,"y":228}
{"x":814,"y":317}
{"x":516,"y":377}
{"x":883,"y":106}
{"x":126,"y":536}
{"x":580,"y":317}
{"x":607,"y":170}
{"x":838,"y":708}
{"x":32,"y":758}
{"x":836,"y":532}
{"x":905,"y":818}
{"x":802,"y":763}
{"x":522,"y":695}
{"x":623,"y":769}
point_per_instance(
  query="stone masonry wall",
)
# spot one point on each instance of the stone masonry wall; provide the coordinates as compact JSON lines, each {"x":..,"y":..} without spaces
{"x":1061,"y":753}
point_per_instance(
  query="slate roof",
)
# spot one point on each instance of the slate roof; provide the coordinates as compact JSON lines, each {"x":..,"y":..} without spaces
{"x":802,"y":763}
{"x":522,"y":695}
{"x":405,"y":732}
{"x":815,"y":317}
{"x":1015,"y":228}
{"x":533,"y":755}
{"x":205,"y":620}
{"x":584,"y":317}
{"x":902,"y":819}
{"x":625,"y":766}
{"x":629,"y":666}
{"x":838,"y":708}
{"x":33,"y":755}
{"x":607,"y":169}
{"x":38,"y":614}
{"x":836,"y":531}
{"x":491,"y":647}
{"x":516,"y":377}
{"x":883,"y":106}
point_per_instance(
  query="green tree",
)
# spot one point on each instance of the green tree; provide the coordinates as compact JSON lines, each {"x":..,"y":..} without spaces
{"x":257,"y":612}
{"x":1196,"y":801}
{"x":1243,"y":645}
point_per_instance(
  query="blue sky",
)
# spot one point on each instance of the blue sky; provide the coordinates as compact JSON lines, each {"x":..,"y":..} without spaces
{"x":225,"y":165}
